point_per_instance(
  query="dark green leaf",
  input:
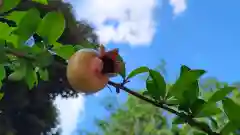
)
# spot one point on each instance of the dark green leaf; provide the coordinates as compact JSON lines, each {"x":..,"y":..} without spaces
{"x":26,"y":28}
{"x":137,"y":71}
{"x":191,"y":93}
{"x":232,"y":110}
{"x":152,"y":89}
{"x":221,"y":94}
{"x":8,"y":5}
{"x":18,"y":73}
{"x":196,"y":132}
{"x":178,"y":120}
{"x":2,"y":74}
{"x":184,"y":69}
{"x":197,"y":106}
{"x":44,"y":59}
{"x":43,"y":74}
{"x":209,"y":109}
{"x":229,"y":128}
{"x":172,"y":101}
{"x":65,"y":51}
{"x":3,"y":55}
{"x":31,"y":77}
{"x":51,"y":26}
{"x":158,"y":83}
{"x":123,"y":71}
{"x":214,"y":123}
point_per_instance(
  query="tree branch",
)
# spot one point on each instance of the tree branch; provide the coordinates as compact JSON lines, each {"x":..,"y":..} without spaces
{"x":188,"y":119}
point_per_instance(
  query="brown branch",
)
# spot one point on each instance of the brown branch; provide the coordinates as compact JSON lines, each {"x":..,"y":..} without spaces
{"x":202,"y":126}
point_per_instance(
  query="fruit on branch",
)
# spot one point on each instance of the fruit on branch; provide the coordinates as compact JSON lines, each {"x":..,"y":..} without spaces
{"x":88,"y":70}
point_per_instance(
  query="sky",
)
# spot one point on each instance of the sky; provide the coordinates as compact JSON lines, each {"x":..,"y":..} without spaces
{"x":198,"y":33}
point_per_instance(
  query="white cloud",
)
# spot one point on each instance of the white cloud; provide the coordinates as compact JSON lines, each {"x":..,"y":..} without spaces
{"x":70,"y":111}
{"x":178,"y":6}
{"x":135,"y":18}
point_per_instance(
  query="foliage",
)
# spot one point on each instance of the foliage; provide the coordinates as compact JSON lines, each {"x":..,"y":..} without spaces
{"x":31,"y":77}
{"x":139,"y":117}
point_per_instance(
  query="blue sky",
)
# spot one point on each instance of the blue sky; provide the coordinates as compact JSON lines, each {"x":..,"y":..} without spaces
{"x":199,"y":33}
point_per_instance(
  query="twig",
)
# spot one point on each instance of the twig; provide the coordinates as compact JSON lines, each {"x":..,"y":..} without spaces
{"x":202,"y":126}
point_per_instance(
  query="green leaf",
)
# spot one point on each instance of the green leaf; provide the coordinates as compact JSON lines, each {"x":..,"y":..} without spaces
{"x":18,"y":73}
{"x":158,"y":84}
{"x":2,"y":74}
{"x":31,"y":77}
{"x":44,"y":2}
{"x":184,"y":69}
{"x":185,"y":82}
{"x":26,"y":28}
{"x":13,"y":39}
{"x":3,"y":55}
{"x":65,"y":51}
{"x":51,"y":26}
{"x":44,"y":59}
{"x":178,"y":120}
{"x":137,"y":71}
{"x":232,"y":110}
{"x":197,"y":106}
{"x":151,"y":89}
{"x":172,"y":101}
{"x":221,"y":94}
{"x":5,"y":30}
{"x":214,"y":123}
{"x":16,"y":16}
{"x":229,"y":128}
{"x":209,"y":109}
{"x":44,"y":74}
{"x":1,"y":96}
{"x":8,"y":5}
{"x":123,"y":71}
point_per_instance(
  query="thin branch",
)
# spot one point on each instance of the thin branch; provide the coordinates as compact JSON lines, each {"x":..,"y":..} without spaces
{"x":202,"y":126}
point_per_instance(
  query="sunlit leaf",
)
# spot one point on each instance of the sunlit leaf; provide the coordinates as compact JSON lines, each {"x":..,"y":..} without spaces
{"x":137,"y":71}
{"x":16,"y":16}
{"x":157,"y":86}
{"x":31,"y":77}
{"x":1,"y":96}
{"x":5,"y":30}
{"x":65,"y":51}
{"x":45,"y":2}
{"x":51,"y":26}
{"x":221,"y":94}
{"x":8,"y":5}
{"x":26,"y":28}
{"x":185,"y":82}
